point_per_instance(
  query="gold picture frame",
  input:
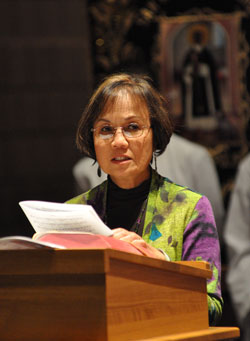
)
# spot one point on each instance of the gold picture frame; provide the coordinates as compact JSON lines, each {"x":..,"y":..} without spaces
{"x":203,"y":60}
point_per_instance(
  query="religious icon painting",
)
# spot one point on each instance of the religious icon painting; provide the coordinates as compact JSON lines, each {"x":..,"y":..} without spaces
{"x":200,"y":69}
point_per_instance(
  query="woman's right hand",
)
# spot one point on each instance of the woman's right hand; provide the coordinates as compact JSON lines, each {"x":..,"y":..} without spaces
{"x":136,"y":240}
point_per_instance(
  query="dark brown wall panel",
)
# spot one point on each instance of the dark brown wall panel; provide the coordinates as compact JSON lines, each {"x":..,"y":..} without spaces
{"x":46,"y":78}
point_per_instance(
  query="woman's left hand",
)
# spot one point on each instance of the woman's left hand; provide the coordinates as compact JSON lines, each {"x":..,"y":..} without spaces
{"x":138,"y":242}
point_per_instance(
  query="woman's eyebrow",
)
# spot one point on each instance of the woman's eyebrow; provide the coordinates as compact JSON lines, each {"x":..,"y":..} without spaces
{"x":128,"y":118}
{"x":132,"y":117}
{"x":103,"y":120}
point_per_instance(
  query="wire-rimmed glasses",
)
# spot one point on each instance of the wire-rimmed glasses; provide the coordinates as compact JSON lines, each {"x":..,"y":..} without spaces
{"x":131,"y":130}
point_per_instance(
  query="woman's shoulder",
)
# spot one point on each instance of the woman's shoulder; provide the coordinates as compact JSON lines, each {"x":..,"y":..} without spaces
{"x":175,"y":191}
{"x":172,"y":199}
{"x":165,"y":182}
{"x":89,"y":195}
{"x":79,"y":199}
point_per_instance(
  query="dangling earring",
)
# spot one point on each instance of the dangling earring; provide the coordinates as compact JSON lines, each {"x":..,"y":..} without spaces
{"x":155,"y":162}
{"x":99,"y":171}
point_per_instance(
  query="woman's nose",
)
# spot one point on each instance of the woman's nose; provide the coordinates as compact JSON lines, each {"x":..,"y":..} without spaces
{"x":119,"y":140}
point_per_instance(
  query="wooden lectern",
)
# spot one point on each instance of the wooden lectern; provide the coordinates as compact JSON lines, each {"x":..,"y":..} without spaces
{"x":80,"y":295}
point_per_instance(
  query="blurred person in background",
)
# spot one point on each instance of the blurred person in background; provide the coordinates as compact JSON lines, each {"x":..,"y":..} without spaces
{"x":237,"y":240}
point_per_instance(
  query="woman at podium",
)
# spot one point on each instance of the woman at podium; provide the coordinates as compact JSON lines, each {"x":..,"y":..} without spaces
{"x":124,"y":127}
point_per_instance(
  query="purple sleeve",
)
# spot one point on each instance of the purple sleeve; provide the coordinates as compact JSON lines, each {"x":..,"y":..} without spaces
{"x":201,"y":242}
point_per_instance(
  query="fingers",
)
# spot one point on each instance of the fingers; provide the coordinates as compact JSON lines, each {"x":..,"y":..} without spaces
{"x":148,"y":250}
{"x":119,"y":231}
{"x":138,"y":242}
{"x":122,"y":234}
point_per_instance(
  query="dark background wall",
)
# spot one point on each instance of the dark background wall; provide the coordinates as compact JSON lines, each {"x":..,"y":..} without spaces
{"x":45,"y":79}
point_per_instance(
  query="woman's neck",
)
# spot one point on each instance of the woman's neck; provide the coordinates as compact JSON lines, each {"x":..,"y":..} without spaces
{"x":132,"y":182}
{"x":124,"y":206}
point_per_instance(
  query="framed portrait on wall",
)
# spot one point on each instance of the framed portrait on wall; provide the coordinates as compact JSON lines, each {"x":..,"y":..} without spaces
{"x":202,"y":61}
{"x":200,"y":70}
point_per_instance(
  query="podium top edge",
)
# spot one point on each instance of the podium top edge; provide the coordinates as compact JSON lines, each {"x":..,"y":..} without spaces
{"x":71,"y":261}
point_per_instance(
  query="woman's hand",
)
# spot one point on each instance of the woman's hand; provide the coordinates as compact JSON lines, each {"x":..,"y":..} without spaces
{"x":138,"y":242}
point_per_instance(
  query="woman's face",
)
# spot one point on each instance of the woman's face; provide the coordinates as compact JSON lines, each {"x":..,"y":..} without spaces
{"x":126,"y":160}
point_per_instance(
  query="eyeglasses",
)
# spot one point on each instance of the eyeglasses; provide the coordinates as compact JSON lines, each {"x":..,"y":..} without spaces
{"x":132,"y":130}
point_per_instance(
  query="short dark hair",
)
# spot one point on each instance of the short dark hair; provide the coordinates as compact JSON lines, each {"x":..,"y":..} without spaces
{"x":139,"y":87}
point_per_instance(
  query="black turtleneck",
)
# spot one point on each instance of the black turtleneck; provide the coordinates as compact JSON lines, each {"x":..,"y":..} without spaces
{"x":124,"y":205}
